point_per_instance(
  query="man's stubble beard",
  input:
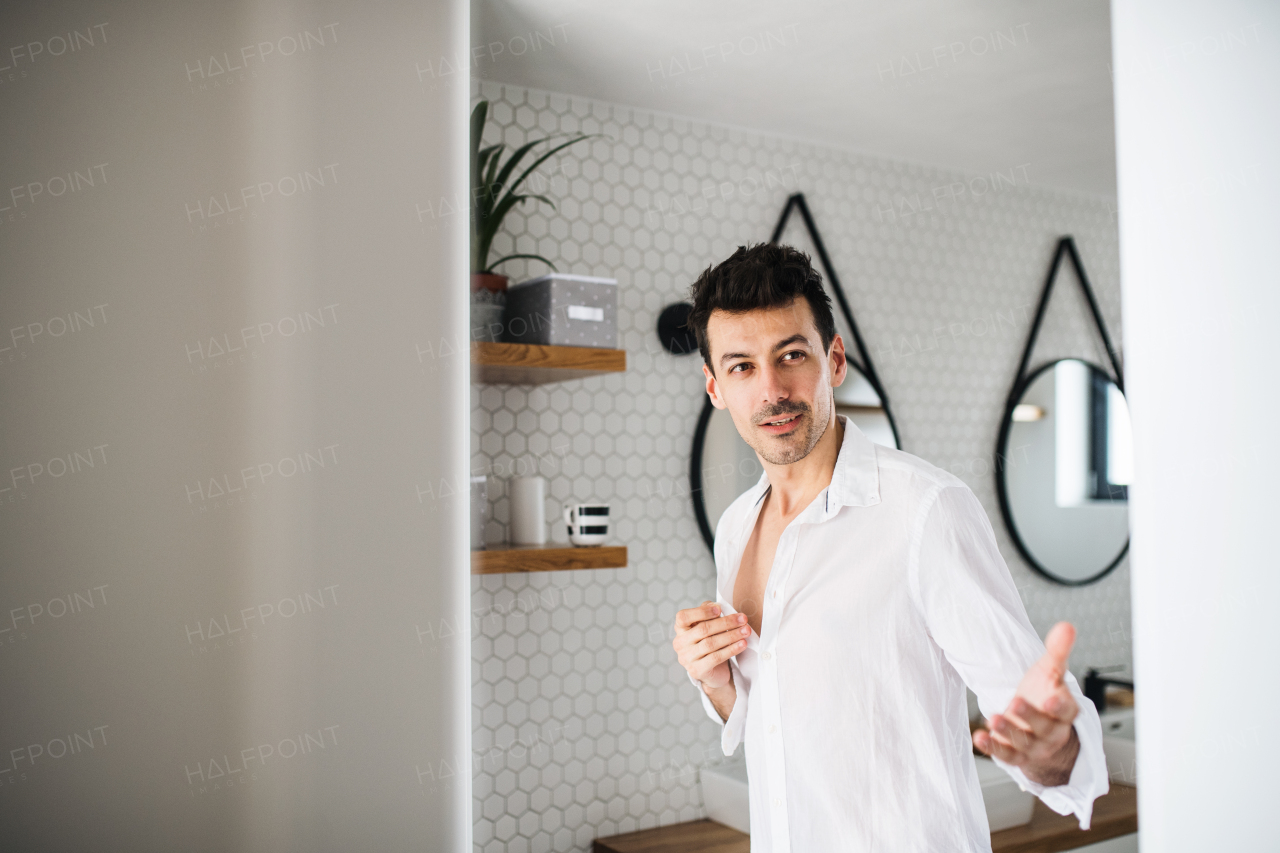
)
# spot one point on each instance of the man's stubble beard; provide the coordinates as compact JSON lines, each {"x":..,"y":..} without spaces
{"x":793,"y":451}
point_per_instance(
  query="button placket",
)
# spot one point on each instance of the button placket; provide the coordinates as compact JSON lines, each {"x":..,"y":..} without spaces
{"x":774,"y":755}
{"x":766,"y":686}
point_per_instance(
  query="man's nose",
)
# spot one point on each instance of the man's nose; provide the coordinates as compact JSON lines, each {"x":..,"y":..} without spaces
{"x":773,"y":389}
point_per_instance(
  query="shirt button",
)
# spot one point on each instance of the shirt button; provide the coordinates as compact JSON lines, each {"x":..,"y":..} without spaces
{"x":772,"y":729}
{"x":767,"y":656}
{"x":777,"y":802}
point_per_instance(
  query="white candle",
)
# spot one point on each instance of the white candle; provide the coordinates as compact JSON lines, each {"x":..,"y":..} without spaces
{"x":528,"y":511}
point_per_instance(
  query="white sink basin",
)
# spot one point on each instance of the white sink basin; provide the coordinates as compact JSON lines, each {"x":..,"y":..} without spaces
{"x":1117,"y":722}
{"x":724,"y":794}
{"x":1122,"y":762}
{"x":1118,"y":746}
{"x":1007,"y":804}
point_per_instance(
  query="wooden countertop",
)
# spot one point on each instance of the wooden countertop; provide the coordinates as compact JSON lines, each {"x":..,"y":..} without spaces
{"x":1114,"y":815}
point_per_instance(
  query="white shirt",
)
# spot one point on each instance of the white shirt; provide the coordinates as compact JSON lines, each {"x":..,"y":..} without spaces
{"x":886,"y":597}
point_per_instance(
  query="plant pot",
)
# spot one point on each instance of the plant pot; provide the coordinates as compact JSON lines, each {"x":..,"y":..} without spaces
{"x":488,"y":281}
{"x":487,"y":309}
{"x":486,"y":321}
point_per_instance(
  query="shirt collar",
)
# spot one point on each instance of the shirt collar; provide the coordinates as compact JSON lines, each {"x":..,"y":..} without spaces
{"x":856,"y":479}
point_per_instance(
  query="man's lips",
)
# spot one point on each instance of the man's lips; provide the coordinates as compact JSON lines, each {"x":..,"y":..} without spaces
{"x":782,"y":425}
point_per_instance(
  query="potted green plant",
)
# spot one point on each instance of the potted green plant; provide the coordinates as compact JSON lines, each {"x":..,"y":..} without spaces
{"x":494,"y":192}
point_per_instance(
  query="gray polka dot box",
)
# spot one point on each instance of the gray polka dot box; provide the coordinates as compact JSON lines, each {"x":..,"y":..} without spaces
{"x":563,"y":310}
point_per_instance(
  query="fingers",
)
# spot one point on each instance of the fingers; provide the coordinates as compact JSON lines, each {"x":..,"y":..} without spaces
{"x":988,"y":745}
{"x":1027,"y":737}
{"x":705,"y":639}
{"x":1030,"y":718}
{"x":700,"y":665}
{"x":1006,"y":732}
{"x":1062,"y":705}
{"x":686,"y":619}
{"x":717,"y":641}
{"x":691,"y":651}
{"x":728,"y":651}
{"x":698,"y":631}
{"x":1059,"y":710}
{"x":1057,"y":644}
{"x":731,"y":622}
{"x":711,"y":661}
{"x":1013,"y":744}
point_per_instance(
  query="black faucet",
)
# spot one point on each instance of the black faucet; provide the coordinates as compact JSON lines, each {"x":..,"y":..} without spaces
{"x":1095,"y":688}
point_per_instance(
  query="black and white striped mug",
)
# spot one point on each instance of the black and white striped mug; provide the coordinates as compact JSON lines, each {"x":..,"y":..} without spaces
{"x":588,"y":523}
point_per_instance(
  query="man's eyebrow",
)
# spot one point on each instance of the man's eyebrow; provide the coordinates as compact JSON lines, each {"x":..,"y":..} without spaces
{"x":782,"y":344}
{"x":796,"y":338}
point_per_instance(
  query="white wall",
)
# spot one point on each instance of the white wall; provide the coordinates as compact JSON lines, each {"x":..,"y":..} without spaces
{"x":1198,"y":130}
{"x":585,"y":723}
{"x":184,"y":735}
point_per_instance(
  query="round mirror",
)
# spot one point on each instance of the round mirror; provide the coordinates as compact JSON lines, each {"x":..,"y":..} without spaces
{"x":1063,"y":472}
{"x":724,"y":466}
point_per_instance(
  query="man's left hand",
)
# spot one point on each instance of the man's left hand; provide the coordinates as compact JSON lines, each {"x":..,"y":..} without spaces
{"x":1035,"y":732}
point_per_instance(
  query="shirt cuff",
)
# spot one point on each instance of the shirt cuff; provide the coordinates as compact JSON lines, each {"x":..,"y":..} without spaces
{"x":731,"y":729}
{"x":1089,"y":778}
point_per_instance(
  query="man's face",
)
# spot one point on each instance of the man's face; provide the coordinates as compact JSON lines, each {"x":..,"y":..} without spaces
{"x":772,"y":375}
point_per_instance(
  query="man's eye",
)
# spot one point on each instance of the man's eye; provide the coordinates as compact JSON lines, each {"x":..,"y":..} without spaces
{"x":797,"y":353}
{"x":742,"y":364}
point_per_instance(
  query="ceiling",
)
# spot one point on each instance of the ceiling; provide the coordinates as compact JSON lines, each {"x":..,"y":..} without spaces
{"x":976,"y":85}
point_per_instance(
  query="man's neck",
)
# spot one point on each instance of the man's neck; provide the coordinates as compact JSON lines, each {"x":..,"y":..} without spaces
{"x":793,"y":487}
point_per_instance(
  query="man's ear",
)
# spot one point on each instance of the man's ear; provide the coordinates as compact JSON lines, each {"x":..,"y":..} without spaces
{"x":713,"y":388}
{"x":839,"y":367}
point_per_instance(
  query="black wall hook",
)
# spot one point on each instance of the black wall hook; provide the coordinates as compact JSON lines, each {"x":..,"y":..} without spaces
{"x":677,"y":338}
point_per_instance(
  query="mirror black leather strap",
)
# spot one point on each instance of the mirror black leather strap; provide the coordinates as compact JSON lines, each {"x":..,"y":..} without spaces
{"x":797,"y":202}
{"x":695,"y":475}
{"x":1066,"y":246}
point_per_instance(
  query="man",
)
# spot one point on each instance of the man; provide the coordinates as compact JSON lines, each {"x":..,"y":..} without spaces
{"x":859,"y":590}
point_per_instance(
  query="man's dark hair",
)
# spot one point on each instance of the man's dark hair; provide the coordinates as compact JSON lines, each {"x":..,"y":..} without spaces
{"x":762,"y":276}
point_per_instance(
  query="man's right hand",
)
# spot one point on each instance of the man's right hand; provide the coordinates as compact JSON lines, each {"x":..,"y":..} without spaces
{"x":705,"y":641}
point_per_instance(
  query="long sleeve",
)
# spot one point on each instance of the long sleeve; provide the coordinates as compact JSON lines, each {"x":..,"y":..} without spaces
{"x":732,"y":728}
{"x":974,"y":614}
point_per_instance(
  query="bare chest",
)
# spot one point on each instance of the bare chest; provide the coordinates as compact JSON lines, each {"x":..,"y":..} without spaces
{"x":753,"y":571}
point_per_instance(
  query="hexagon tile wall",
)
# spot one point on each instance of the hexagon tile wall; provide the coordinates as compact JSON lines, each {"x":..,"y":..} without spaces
{"x":584,"y":723}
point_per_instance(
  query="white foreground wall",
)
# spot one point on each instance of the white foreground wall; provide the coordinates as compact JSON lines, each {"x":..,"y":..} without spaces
{"x":1198,"y":131}
{"x":222,"y":314}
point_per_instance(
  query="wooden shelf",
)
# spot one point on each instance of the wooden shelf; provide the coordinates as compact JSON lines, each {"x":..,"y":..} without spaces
{"x":534,"y":364}
{"x":702,"y":836}
{"x":501,"y":559}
